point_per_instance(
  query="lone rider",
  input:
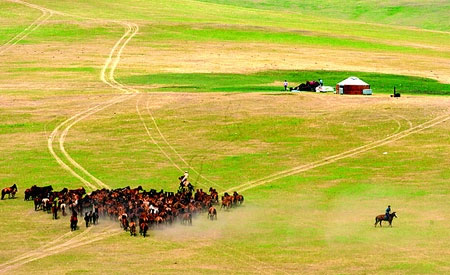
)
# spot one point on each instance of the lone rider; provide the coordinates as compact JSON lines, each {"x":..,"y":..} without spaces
{"x":388,"y":211}
{"x":184,"y":180}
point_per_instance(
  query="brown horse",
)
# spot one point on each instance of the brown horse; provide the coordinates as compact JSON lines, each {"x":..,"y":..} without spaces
{"x":238,"y":198}
{"x":124,"y":222}
{"x":380,"y":218}
{"x":212,"y":213}
{"x":186,"y":218}
{"x":10,"y":191}
{"x":226,"y":202}
{"x":132,"y":229}
{"x":143,"y":229}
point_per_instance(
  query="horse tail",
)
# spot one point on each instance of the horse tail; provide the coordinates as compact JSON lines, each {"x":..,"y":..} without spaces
{"x":3,"y":194}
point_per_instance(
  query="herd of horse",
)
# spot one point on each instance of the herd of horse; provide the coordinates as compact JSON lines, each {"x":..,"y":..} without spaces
{"x":133,"y":208}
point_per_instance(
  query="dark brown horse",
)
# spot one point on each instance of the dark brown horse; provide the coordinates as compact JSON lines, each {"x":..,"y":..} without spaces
{"x":10,"y":191}
{"x":73,"y":222}
{"x":27,"y":194}
{"x":143,"y":228}
{"x":380,"y":218}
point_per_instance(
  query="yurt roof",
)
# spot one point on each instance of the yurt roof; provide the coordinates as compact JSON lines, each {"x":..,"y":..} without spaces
{"x":352,"y":80}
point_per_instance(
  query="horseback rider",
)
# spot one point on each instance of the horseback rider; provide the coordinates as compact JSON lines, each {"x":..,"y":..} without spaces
{"x":388,"y":211}
{"x":184,"y":178}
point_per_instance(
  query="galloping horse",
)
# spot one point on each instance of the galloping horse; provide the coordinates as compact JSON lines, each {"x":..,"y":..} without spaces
{"x":124,"y":222}
{"x":226,"y":202}
{"x":186,"y":218}
{"x":238,"y":198}
{"x":10,"y":191}
{"x":132,"y":228}
{"x":212,"y":213}
{"x":143,"y":228}
{"x":73,"y":222}
{"x":380,"y":218}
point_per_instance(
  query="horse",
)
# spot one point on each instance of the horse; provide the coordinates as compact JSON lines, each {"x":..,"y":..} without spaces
{"x":212,"y":213}
{"x":380,"y":218}
{"x":55,"y":211}
{"x":153,"y":209}
{"x":238,"y":198}
{"x":10,"y":191}
{"x":124,"y":222}
{"x":143,"y":228}
{"x":46,"y":204}
{"x":186,"y":218}
{"x":95,"y":218}
{"x":132,"y":228}
{"x":63,"y":209}
{"x":73,"y":222}
{"x":80,"y":191}
{"x":226,"y":202}
{"x":27,"y":194}
{"x":37,"y":204}
{"x":40,"y":191}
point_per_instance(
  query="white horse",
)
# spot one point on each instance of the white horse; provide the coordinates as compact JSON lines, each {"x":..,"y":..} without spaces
{"x":153,"y":209}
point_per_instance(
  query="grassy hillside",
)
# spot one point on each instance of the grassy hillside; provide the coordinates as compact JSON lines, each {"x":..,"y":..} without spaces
{"x":427,"y":14}
{"x":204,"y":71}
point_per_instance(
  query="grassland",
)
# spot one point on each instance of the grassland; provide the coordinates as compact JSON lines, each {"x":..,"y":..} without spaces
{"x":428,"y":14}
{"x":209,"y":76}
{"x":271,"y":81}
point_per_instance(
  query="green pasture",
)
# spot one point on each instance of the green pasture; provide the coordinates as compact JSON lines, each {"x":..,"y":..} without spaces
{"x":200,"y":20}
{"x":408,"y":13}
{"x":229,"y":129}
{"x":318,"y":221}
{"x":263,"y":81}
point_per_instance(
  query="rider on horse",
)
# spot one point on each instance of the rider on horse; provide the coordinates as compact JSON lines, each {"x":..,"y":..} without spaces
{"x":388,"y":211}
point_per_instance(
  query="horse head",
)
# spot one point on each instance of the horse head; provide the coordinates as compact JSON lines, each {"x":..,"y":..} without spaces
{"x":394,"y":215}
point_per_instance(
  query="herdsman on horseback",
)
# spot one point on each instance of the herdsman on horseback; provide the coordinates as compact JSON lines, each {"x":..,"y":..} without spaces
{"x":185,"y":185}
{"x":388,"y":216}
{"x":388,"y":211}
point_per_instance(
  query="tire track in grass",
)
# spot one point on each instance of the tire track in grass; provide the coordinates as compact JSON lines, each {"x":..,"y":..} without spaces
{"x":176,"y":152}
{"x":110,"y":64}
{"x":77,"y":241}
{"x":343,"y":155}
{"x":42,"y":248}
{"x":151,"y":136}
{"x":46,"y":14}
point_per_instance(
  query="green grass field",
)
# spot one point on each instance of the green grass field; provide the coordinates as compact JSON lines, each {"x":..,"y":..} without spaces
{"x":209,"y":76}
